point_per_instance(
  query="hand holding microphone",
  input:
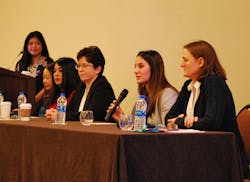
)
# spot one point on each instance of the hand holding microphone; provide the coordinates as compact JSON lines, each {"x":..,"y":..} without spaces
{"x":110,"y":112}
{"x":117,"y":113}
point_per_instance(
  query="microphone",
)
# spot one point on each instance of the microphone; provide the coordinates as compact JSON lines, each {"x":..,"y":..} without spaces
{"x":21,"y":52}
{"x":122,"y":95}
{"x":14,"y":59}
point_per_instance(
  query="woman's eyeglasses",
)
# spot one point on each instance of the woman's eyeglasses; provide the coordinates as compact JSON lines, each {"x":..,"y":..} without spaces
{"x":83,"y":66}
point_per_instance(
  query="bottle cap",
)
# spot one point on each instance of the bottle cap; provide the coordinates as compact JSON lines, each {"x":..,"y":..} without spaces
{"x":21,"y":92}
{"x":142,"y":97}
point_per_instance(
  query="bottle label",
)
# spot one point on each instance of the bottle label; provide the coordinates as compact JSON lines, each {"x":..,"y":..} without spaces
{"x":140,"y":113}
{"x":61,"y":108}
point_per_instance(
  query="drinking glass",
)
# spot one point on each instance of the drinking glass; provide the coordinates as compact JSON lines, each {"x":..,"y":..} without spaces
{"x":172,"y":126}
{"x":126,"y":122}
{"x":86,"y":117}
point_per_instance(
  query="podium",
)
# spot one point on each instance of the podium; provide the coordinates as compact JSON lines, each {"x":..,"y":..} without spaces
{"x":12,"y":82}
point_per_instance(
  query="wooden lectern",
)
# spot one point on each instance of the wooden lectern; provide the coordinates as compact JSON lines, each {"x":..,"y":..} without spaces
{"x":12,"y":82}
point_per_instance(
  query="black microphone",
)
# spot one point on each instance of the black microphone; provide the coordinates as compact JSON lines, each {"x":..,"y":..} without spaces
{"x":21,"y":52}
{"x":122,"y":95}
{"x":14,"y":59}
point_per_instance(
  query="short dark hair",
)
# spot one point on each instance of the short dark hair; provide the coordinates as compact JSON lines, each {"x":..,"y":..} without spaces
{"x":93,"y":55}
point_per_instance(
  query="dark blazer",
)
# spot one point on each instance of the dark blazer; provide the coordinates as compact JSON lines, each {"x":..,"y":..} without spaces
{"x":214,"y":108}
{"x":98,"y":100}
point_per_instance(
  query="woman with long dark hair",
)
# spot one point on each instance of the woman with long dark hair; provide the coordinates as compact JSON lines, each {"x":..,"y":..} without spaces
{"x":152,"y":82}
{"x":66,"y":80}
{"x":35,"y":57}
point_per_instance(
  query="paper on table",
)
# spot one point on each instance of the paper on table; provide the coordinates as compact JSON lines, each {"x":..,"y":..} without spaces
{"x":103,"y":123}
{"x":183,"y":131}
{"x":26,"y":73}
{"x":189,"y":131}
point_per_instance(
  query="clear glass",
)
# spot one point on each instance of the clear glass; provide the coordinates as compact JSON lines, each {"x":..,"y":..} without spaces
{"x":86,"y":117}
{"x":126,"y":122}
{"x":172,"y":126}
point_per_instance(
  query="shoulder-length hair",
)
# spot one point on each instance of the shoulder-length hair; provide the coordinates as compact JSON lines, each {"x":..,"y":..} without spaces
{"x":205,"y":50}
{"x":158,"y":80}
{"x":26,"y":58}
{"x":70,"y":78}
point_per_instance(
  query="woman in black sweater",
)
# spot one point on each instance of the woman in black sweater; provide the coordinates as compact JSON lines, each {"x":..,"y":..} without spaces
{"x":205,"y":101}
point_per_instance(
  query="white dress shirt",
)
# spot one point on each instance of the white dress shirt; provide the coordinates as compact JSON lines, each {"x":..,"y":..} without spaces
{"x":194,"y":87}
{"x":83,"y":100}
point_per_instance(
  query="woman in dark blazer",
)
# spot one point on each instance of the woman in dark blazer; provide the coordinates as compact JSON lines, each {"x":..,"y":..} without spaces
{"x":95,"y":92}
{"x":205,"y":101}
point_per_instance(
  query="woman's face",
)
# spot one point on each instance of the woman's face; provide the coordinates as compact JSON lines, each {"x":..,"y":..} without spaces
{"x":142,"y":70}
{"x":47,"y":80}
{"x":86,"y":70}
{"x":34,"y":47}
{"x":191,"y":66}
{"x":58,"y":75}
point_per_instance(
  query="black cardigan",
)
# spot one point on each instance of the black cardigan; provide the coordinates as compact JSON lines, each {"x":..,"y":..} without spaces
{"x":214,"y":108}
{"x":98,"y":99}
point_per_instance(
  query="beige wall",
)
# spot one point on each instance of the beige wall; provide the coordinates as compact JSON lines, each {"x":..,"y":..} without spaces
{"x":122,"y":28}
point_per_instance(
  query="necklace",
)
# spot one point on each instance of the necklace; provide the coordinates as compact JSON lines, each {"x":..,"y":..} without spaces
{"x":33,"y":68}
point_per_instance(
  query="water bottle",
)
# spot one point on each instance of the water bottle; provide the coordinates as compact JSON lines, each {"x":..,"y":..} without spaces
{"x":20,"y":100}
{"x":61,"y":109}
{"x":140,"y":114}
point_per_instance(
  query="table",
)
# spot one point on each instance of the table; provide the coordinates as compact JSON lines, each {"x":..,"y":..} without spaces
{"x":37,"y":151}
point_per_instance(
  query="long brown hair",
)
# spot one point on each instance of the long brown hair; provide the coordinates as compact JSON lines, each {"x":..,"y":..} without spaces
{"x":158,"y":80}
{"x":212,"y":65}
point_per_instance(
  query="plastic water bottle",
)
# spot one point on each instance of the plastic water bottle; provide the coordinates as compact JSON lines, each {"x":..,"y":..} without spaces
{"x":20,"y":100}
{"x":61,"y":109}
{"x":140,"y":113}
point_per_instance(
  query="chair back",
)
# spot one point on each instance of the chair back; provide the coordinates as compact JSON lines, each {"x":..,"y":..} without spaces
{"x":243,"y":120}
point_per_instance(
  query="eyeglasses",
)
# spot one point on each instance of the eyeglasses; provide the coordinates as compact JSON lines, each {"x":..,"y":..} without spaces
{"x":83,"y":66}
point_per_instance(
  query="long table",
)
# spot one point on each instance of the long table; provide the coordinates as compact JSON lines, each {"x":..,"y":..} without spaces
{"x":37,"y":151}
